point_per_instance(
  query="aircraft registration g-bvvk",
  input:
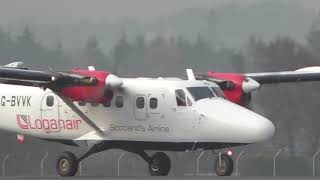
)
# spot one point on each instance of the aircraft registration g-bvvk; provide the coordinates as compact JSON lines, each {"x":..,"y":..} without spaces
{"x":98,"y":111}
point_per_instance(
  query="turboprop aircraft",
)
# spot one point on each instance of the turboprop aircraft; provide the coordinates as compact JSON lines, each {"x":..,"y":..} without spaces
{"x":97,"y":111}
{"x":238,"y":88}
{"x":100,"y":111}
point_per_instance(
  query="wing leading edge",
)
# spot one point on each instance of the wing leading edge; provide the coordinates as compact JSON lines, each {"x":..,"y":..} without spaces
{"x":52,"y":80}
{"x":301,"y":75}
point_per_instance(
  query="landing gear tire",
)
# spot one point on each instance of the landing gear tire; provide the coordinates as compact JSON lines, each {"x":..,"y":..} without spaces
{"x":160,"y":164}
{"x":225,"y":166}
{"x":67,"y":164}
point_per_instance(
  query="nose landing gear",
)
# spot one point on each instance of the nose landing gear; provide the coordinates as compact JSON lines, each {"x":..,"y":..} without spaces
{"x":223,"y":165}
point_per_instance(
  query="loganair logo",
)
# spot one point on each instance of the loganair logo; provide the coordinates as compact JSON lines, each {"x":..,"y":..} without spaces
{"x":48,"y":125}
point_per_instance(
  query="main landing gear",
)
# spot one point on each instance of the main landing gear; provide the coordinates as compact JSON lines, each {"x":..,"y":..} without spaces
{"x":159,"y":163}
{"x":67,"y":164}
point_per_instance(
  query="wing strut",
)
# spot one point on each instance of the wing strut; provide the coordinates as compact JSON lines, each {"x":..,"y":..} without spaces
{"x":82,"y":115}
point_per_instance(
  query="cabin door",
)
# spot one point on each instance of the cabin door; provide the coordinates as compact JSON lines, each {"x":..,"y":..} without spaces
{"x":184,"y":110}
{"x":140,"y":107}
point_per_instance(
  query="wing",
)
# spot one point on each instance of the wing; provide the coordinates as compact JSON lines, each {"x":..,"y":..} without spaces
{"x":76,"y":85}
{"x":52,"y":80}
{"x":301,"y":75}
{"x":238,"y":87}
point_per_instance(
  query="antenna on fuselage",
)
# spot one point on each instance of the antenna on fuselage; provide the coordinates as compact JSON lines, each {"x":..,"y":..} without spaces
{"x":190,"y":74}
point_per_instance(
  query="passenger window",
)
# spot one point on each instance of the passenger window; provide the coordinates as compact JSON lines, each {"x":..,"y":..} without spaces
{"x":50,"y":101}
{"x":140,"y":102}
{"x":153,"y":103}
{"x":82,"y":103}
{"x":107,"y":104}
{"x":119,"y":101}
{"x":180,"y":97}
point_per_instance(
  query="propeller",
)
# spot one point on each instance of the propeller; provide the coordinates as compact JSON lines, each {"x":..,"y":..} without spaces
{"x":250,"y":85}
{"x":236,"y":87}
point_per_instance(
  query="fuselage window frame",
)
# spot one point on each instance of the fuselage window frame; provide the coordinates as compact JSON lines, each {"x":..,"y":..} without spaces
{"x":140,"y":102}
{"x":50,"y":101}
{"x":153,"y":103}
{"x":94,"y":104}
{"x":107,"y":104}
{"x":82,"y":103}
{"x":119,"y":101}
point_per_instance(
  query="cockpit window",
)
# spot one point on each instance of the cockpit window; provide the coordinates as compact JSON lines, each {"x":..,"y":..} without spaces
{"x":218,"y":92}
{"x":200,"y":92}
{"x":189,"y":103}
{"x":180,"y":97}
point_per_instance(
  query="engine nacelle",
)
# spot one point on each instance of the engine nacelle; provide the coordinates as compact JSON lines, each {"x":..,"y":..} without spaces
{"x":99,"y":92}
{"x":234,"y":93}
{"x":240,"y":91}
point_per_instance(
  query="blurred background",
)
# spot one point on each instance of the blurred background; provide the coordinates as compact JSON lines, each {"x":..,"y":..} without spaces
{"x":163,"y":38}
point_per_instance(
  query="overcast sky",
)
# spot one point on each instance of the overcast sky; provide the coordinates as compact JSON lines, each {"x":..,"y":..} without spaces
{"x":66,"y":11}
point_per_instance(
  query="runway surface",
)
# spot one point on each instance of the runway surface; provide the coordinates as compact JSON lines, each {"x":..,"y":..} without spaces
{"x":164,"y":178}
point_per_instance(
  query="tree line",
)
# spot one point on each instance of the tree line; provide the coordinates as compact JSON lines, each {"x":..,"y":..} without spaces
{"x":159,"y":56}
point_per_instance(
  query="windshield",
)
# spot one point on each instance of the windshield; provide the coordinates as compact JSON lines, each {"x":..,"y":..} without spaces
{"x":200,"y":92}
{"x":218,"y":92}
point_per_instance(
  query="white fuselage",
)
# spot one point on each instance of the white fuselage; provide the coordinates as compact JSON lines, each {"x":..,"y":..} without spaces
{"x":142,"y":110}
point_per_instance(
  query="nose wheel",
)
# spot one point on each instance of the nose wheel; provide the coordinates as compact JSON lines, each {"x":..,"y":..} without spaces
{"x":223,"y":165}
{"x":160,"y":164}
{"x":67,"y":164}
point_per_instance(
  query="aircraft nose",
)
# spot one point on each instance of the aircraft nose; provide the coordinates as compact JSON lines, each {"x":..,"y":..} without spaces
{"x":235,"y":123}
{"x":262,"y":129}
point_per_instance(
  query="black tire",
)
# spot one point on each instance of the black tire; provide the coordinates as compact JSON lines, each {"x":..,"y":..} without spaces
{"x":67,"y":164}
{"x":160,"y":165}
{"x":225,"y":168}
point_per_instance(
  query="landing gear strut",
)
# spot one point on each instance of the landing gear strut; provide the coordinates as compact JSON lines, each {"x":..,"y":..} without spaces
{"x":67,"y":163}
{"x":159,"y":163}
{"x":223,"y":165}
